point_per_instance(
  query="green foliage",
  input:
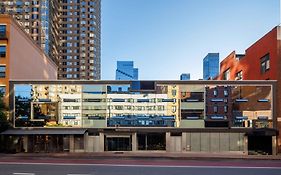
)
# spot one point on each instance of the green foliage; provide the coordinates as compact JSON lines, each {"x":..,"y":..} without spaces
{"x":4,"y":124}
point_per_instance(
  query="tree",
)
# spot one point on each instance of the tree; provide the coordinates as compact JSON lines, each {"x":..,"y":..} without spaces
{"x":4,"y":124}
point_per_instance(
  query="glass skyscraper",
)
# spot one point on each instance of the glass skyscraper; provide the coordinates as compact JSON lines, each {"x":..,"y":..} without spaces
{"x":126,"y":71}
{"x":185,"y":76}
{"x":211,"y":66}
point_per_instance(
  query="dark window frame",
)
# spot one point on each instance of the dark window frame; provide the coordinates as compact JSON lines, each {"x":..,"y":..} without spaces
{"x":3,"y":73}
{"x":265,"y":63}
{"x":3,"y":54}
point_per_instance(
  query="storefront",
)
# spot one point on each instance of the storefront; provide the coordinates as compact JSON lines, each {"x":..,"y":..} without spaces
{"x":45,"y":140}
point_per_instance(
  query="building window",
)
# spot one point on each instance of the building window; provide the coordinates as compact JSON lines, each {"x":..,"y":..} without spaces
{"x":239,"y":75}
{"x":2,"y":51}
{"x":215,"y":109}
{"x":226,"y":74}
{"x":2,"y":30}
{"x":265,"y":63}
{"x":2,"y":71}
{"x":2,"y":90}
{"x":225,"y":93}
{"x":215,"y":92}
{"x":225,"y":109}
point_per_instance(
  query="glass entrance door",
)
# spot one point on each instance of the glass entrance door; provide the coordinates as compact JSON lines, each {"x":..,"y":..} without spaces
{"x":118,"y":144}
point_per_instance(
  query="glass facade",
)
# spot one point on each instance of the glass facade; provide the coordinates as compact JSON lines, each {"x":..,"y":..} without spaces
{"x":185,"y":76}
{"x":126,"y":71}
{"x":211,"y":66}
{"x":143,"y":104}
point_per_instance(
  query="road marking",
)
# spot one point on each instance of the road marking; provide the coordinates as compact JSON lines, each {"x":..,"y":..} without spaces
{"x":78,"y":174}
{"x":24,"y":173}
{"x":149,"y":166}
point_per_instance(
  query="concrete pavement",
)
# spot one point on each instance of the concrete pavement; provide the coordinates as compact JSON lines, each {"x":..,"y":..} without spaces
{"x":144,"y":155}
{"x":89,"y":169}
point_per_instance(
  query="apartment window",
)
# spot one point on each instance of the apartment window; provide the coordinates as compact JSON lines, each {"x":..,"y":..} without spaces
{"x":2,"y":90}
{"x":2,"y":51}
{"x":225,"y":109}
{"x":225,"y":92}
{"x":2,"y":30}
{"x":226,"y":74}
{"x":265,"y":63}
{"x":239,"y":75}
{"x":2,"y":71}
{"x":68,"y":75}
{"x":215,"y":109}
{"x":34,"y":16}
{"x":215,"y":92}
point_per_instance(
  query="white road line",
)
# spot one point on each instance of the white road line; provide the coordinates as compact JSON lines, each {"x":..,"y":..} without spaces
{"x":24,"y":173}
{"x":151,"y":166}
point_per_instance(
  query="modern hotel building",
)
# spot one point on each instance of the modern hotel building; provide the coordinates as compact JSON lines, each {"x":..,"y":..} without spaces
{"x":172,"y":116}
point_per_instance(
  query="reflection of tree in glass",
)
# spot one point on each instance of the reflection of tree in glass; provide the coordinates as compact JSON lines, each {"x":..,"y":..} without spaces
{"x":22,"y":107}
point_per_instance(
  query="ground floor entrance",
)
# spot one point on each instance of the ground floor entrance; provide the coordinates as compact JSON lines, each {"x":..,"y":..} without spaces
{"x":118,"y":143}
{"x":151,"y":141}
{"x":46,"y":143}
{"x":260,"y":145}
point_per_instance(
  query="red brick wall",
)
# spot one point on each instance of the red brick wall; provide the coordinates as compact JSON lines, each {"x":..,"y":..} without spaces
{"x":250,"y":65}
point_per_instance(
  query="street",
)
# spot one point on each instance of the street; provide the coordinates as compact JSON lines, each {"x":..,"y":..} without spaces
{"x":139,"y":167}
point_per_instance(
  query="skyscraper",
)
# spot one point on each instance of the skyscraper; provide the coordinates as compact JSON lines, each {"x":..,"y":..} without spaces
{"x":185,"y":76}
{"x":126,"y":71}
{"x":67,"y":30}
{"x":211,"y":66}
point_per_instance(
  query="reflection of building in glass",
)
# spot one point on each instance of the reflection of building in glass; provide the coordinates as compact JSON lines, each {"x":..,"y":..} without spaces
{"x":173,"y":105}
{"x":178,"y":116}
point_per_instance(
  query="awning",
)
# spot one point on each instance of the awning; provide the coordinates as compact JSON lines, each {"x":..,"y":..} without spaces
{"x":263,"y":132}
{"x":44,"y":131}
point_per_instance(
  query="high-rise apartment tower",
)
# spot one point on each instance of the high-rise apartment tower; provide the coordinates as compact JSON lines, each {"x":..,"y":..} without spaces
{"x":67,"y":30}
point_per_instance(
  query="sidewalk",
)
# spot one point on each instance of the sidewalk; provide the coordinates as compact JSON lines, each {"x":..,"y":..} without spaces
{"x":142,"y":155}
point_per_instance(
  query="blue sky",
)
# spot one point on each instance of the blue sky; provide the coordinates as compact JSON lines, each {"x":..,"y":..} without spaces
{"x":168,"y":37}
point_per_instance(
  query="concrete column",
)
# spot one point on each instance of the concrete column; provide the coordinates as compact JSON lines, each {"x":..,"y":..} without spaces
{"x":183,"y":142}
{"x":31,"y":111}
{"x":86,"y":142}
{"x":134,"y":142}
{"x":71,"y":143}
{"x":274,"y":145}
{"x":101,"y":142}
{"x":246,"y":145}
{"x":25,"y":143}
{"x":168,"y":141}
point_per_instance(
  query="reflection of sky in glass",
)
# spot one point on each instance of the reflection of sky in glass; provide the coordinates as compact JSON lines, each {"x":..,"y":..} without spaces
{"x":94,"y":89}
{"x":23,"y":90}
{"x":119,"y":88}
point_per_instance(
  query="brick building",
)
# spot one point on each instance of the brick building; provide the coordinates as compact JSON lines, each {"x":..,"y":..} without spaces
{"x":261,"y":61}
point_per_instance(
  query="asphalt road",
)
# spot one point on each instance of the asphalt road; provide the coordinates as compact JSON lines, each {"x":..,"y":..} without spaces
{"x":20,"y":168}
